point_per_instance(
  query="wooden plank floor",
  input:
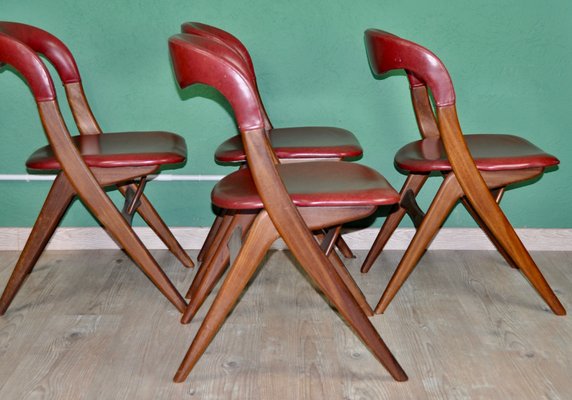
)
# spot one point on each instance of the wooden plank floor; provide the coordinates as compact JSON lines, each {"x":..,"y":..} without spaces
{"x":88,"y":325}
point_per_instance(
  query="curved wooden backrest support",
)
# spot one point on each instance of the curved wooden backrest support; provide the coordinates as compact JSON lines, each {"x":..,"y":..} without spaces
{"x":388,"y":52}
{"x":30,"y":66}
{"x":61,"y":58}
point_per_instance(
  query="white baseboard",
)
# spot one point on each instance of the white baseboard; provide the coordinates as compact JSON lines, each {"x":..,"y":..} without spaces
{"x":192,"y":238}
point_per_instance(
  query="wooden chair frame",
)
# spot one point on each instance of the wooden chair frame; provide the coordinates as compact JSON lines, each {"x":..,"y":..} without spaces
{"x":19,"y":44}
{"x":197,"y":60}
{"x":465,"y":182}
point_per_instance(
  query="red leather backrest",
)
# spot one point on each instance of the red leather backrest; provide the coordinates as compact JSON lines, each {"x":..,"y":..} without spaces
{"x":47,"y":44}
{"x":27,"y":63}
{"x":387,"y":52}
{"x":199,"y":59}
{"x":199,"y":29}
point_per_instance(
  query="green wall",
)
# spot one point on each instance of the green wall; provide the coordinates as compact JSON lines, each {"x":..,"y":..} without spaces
{"x":509,"y":60}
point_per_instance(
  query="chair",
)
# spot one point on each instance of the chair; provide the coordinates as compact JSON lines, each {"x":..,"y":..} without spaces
{"x":288,"y":200}
{"x":476,"y":168}
{"x":290,"y":144}
{"x":87,"y":163}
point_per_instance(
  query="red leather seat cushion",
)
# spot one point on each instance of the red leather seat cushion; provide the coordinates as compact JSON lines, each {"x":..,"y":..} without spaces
{"x":490,"y":152}
{"x":126,"y":149}
{"x":319,"y":183}
{"x":303,"y":142}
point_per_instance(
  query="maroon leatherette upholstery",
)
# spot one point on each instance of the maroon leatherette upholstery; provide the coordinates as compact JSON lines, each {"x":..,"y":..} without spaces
{"x":291,"y":142}
{"x":387,"y":52}
{"x":212,"y":32}
{"x":25,"y":60}
{"x":320,"y":183}
{"x":310,"y":184}
{"x":490,"y":152}
{"x":19,"y":45}
{"x":111,"y":150}
{"x":47,"y":44}
{"x":198,"y":59}
{"x":299,"y":142}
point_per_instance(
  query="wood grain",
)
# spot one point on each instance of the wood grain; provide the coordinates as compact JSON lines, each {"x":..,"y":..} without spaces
{"x":87,"y":325}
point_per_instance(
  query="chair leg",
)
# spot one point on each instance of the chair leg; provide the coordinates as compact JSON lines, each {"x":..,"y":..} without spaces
{"x":350,"y":283}
{"x":109,"y":216}
{"x":218,"y":244}
{"x":348,"y":279}
{"x":501,"y":229}
{"x":448,"y":194}
{"x":210,"y":236}
{"x":258,"y":240}
{"x":155,"y":222}
{"x":414,"y":183}
{"x":214,"y":267}
{"x":55,"y":205}
{"x":225,"y":220}
{"x":489,"y":234}
{"x":320,"y":270}
{"x":344,"y":248}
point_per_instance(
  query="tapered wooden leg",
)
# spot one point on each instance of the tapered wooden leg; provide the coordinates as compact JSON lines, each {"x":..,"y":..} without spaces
{"x":155,"y":222}
{"x":55,"y":205}
{"x":211,"y":235}
{"x":485,"y":229}
{"x":350,"y":283}
{"x":87,"y":188}
{"x":347,"y":278}
{"x":216,"y":240}
{"x":482,"y":202}
{"x":258,"y":240}
{"x":214,"y":267}
{"x":218,"y":244}
{"x":448,"y":194}
{"x":320,"y":270}
{"x":414,"y":183}
{"x":220,"y":259}
{"x":114,"y":223}
{"x":344,"y":248}
{"x":506,"y":237}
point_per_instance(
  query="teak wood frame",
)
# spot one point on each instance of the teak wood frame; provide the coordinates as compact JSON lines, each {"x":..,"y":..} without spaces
{"x":75,"y":178}
{"x":465,"y":182}
{"x":199,"y":60}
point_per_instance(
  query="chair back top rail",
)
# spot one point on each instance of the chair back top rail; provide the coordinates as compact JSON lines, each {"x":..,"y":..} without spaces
{"x":21,"y":57}
{"x":200,"y":29}
{"x":61,"y":58}
{"x":46,"y":44}
{"x":198,"y":59}
{"x":387,"y":52}
{"x":217,"y":34}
